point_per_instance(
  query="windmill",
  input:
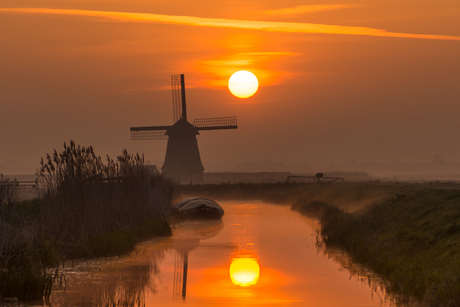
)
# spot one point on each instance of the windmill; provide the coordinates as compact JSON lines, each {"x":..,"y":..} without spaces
{"x":182,"y":160}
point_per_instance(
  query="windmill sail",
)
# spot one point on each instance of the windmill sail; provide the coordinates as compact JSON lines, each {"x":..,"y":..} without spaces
{"x":216,"y":123}
{"x":149,"y":133}
{"x":178,"y":97}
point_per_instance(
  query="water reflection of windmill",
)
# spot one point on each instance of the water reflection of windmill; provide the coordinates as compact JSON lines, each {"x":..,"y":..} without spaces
{"x":186,"y":239}
{"x":182,"y":160}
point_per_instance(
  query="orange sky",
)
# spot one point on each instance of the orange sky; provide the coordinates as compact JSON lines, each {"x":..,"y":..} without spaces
{"x":367,"y":80}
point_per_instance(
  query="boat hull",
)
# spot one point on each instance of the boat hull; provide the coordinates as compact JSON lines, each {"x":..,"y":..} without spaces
{"x":200,"y":208}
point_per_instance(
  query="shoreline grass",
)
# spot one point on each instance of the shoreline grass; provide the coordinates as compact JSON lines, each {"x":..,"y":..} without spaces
{"x":413,"y":242}
{"x":123,"y":241}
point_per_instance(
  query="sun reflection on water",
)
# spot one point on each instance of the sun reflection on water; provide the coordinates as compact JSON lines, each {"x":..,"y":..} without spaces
{"x":244,"y":271}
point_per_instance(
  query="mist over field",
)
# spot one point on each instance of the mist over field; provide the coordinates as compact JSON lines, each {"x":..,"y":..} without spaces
{"x":436,"y":169}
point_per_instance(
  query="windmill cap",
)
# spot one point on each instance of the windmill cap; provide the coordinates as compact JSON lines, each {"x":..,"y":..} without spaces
{"x":182,"y":128}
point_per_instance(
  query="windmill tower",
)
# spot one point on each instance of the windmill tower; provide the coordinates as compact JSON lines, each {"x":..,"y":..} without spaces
{"x":182,"y":160}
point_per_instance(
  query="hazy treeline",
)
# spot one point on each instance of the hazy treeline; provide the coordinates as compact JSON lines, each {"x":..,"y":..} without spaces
{"x":87,"y":207}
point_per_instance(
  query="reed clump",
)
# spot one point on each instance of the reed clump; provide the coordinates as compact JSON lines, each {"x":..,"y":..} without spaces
{"x":83,"y":197}
{"x":88,"y":207}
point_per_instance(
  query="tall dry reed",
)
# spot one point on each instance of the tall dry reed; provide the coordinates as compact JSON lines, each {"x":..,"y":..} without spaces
{"x":87,"y":207}
{"x":84,"y":197}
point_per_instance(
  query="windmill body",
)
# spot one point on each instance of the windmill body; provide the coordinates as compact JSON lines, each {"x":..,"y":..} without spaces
{"x":182,"y":160}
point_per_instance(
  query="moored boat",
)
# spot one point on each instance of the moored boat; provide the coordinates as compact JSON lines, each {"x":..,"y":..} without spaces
{"x":198,"y":207}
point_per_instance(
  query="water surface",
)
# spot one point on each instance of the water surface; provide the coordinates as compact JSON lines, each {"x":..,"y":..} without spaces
{"x":259,"y":254}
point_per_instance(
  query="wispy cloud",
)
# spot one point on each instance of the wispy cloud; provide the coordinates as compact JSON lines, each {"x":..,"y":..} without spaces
{"x":306,"y":9}
{"x":271,"y":26}
{"x":228,"y":63}
{"x":269,"y":53}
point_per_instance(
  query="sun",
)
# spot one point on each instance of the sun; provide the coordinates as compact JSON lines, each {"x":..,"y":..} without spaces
{"x":243,"y":84}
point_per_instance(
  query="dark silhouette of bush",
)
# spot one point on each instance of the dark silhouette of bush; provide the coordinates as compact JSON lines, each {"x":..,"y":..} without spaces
{"x":86,"y":208}
{"x":84,"y":197}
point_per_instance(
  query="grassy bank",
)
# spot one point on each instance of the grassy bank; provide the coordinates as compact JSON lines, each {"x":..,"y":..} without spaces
{"x":407,"y":233}
{"x":87,"y":208}
{"x":412,"y":241}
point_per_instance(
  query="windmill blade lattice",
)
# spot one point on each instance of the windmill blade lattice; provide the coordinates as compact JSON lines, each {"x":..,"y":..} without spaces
{"x":176,"y":97}
{"x":144,"y":135}
{"x":214,"y":123}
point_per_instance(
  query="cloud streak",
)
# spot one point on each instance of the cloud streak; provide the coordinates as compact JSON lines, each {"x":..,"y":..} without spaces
{"x":270,"y":26}
{"x":306,"y":9}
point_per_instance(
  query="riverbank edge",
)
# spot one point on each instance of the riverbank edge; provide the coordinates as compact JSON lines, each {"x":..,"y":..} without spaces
{"x":412,"y":241}
{"x":34,"y":281}
{"x":409,"y":234}
{"x":87,"y":207}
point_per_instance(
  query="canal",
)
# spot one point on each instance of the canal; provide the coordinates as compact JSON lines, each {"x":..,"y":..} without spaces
{"x":259,"y":254}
